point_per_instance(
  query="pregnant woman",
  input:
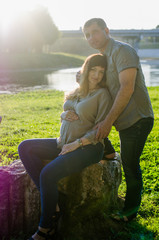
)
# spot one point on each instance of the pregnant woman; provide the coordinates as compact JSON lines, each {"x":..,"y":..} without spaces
{"x":75,"y":149}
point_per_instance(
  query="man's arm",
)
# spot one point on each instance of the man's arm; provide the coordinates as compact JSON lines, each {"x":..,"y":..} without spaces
{"x":127,"y":83}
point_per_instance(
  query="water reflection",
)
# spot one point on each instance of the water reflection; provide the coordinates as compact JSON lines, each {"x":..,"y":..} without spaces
{"x":64,"y":80}
{"x":151,"y":72}
{"x":21,"y":81}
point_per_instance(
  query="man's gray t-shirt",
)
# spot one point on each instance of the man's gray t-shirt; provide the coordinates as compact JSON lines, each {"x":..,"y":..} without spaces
{"x":121,"y":56}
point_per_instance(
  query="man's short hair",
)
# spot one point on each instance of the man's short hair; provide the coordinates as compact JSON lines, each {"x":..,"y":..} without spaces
{"x":100,"y":22}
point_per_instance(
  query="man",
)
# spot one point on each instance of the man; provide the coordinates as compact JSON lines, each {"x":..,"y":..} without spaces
{"x":131,"y":113}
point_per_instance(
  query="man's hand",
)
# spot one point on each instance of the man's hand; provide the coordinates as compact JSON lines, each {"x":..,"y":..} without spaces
{"x":103,"y":130}
{"x":69,"y":147}
{"x":69,"y":115}
{"x":78,"y":76}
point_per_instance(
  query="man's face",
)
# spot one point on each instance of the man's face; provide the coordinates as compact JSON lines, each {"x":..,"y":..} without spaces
{"x":96,"y":37}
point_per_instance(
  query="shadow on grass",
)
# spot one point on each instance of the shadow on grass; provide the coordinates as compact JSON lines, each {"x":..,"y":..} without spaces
{"x":97,"y":226}
{"x":92,"y":222}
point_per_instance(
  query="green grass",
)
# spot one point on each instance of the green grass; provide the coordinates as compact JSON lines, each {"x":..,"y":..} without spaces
{"x":37,"y":115}
{"x":28,"y":115}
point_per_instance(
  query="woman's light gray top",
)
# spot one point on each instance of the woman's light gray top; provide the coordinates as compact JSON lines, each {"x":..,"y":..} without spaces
{"x":91,"y":110}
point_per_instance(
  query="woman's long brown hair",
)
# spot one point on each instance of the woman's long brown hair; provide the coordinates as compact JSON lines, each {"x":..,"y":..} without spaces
{"x":90,"y":62}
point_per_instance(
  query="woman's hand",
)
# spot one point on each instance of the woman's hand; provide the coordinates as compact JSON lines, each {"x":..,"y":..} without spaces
{"x":69,"y":147}
{"x":69,"y":115}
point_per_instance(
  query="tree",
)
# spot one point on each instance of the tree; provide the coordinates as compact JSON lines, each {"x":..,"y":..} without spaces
{"x":32,"y":30}
{"x":44,"y":30}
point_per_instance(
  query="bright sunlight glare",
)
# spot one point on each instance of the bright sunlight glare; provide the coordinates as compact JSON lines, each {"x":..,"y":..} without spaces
{"x":9,"y":10}
{"x":72,"y":14}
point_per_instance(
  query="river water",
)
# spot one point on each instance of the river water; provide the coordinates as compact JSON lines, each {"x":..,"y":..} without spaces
{"x":64,"y":80}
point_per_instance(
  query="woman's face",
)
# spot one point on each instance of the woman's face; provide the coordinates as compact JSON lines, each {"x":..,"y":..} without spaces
{"x":95,"y":76}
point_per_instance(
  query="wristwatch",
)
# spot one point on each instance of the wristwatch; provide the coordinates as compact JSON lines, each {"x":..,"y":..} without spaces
{"x":80,"y":142}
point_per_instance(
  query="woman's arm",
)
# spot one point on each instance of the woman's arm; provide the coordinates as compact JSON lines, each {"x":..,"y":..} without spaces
{"x":74,"y":145}
{"x":104,"y":105}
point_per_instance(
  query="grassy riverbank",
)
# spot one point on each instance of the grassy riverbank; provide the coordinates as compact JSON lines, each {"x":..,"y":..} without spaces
{"x":36,"y":115}
{"x":39,"y":61}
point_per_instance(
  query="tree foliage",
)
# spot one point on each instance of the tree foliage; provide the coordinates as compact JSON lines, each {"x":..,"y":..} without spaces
{"x":31,"y":31}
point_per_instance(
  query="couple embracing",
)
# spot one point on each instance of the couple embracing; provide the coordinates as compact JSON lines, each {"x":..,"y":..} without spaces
{"x":111,"y":92}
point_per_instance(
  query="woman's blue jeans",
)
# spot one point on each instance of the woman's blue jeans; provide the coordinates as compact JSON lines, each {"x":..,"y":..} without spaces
{"x":33,"y":152}
{"x":132,"y":143}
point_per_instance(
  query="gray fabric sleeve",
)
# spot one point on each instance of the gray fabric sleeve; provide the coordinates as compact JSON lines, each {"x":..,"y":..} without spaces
{"x":104,"y":106}
{"x":126,"y":58}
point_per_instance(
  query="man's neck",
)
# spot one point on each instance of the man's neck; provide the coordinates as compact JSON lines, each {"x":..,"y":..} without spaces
{"x":102,"y":50}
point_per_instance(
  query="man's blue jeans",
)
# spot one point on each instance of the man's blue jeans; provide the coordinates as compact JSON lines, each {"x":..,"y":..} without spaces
{"x":33,"y":153}
{"x":132,"y":141}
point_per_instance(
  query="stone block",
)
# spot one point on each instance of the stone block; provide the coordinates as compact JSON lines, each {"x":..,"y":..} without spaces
{"x":94,"y":182}
{"x":20,"y":199}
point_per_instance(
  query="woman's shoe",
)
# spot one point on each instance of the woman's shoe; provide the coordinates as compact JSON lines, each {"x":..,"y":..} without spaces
{"x":41,"y":234}
{"x":52,"y":233}
{"x":45,"y":236}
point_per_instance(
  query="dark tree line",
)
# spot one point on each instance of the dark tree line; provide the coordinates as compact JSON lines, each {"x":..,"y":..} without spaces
{"x":30,"y":32}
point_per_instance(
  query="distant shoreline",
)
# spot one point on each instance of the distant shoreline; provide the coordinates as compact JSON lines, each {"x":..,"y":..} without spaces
{"x":150,"y":61}
{"x":58,"y":61}
{"x":31,"y":70}
{"x":38,"y":62}
{"x":148,"y":53}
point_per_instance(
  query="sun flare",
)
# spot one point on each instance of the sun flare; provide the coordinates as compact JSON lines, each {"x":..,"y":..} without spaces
{"x":9,"y":10}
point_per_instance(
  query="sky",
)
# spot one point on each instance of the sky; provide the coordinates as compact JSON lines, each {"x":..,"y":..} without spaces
{"x":72,"y":14}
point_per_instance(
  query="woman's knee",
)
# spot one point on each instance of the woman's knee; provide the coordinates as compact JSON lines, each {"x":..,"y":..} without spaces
{"x":23,"y":147}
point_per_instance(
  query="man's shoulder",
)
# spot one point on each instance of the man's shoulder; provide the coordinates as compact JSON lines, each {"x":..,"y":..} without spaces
{"x":122,"y":50}
{"x":118,"y":45}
